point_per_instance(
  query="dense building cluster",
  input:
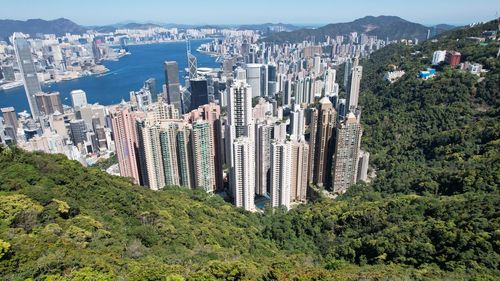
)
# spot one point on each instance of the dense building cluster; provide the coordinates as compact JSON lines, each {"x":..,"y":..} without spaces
{"x":269,"y":125}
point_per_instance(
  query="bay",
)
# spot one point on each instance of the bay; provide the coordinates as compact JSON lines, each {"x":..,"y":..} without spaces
{"x":125,"y":75}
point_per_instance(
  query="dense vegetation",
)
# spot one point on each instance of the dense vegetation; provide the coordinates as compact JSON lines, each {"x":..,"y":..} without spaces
{"x":431,"y":213}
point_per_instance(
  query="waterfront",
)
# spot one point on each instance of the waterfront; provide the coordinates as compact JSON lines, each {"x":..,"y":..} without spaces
{"x":125,"y":75}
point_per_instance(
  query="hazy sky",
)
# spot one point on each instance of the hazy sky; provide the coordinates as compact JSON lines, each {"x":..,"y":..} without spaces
{"x":96,"y":12}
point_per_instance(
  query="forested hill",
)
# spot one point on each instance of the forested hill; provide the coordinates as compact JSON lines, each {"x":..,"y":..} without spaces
{"x":432,"y":213}
{"x":383,"y":27}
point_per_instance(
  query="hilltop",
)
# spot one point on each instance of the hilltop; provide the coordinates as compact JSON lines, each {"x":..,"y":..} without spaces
{"x":383,"y":27}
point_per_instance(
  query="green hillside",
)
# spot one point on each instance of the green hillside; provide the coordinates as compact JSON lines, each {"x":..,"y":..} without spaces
{"x":432,"y":213}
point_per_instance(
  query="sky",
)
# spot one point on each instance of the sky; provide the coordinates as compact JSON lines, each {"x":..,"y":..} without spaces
{"x":305,"y":12}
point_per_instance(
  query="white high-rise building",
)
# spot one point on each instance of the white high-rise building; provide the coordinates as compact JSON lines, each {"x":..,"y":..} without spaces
{"x":438,"y":56}
{"x":253,"y":77}
{"x":297,"y":122}
{"x":280,"y":174}
{"x":243,"y":173}
{"x":330,"y":76}
{"x":357,"y":71}
{"x":78,"y":98}
{"x":240,"y":145}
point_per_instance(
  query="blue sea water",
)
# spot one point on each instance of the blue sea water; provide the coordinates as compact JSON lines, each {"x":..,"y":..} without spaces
{"x":125,"y":75}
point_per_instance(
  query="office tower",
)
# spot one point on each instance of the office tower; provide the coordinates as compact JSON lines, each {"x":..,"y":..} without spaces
{"x":227,"y":66}
{"x":28,"y":71}
{"x":330,"y":76}
{"x":347,"y":74}
{"x":240,"y":74}
{"x":364,"y":158}
{"x":91,"y":111}
{"x":172,"y":85}
{"x":192,"y":65}
{"x":78,"y":99}
{"x":342,"y":109}
{"x":253,"y":78}
{"x":323,"y":144}
{"x":48,"y":103}
{"x":199,"y":92}
{"x":345,"y":160}
{"x":152,"y":149}
{"x":78,"y":131}
{"x":352,"y":100}
{"x":264,"y":79}
{"x":317,"y":64}
{"x":297,"y":124}
{"x":243,"y":173}
{"x":287,"y":92}
{"x":140,"y":100}
{"x":263,"y":139}
{"x":280,"y":174}
{"x":203,"y":164}
{"x":58,"y":125}
{"x":150,"y":85}
{"x":272,"y":80}
{"x":10,"y":117}
{"x":126,"y":139}
{"x":299,"y":151}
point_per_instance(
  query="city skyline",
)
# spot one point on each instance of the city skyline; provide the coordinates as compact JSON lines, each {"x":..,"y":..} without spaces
{"x":427,"y":12}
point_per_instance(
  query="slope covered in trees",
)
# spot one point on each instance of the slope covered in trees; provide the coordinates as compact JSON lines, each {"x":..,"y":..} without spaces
{"x":431,"y":213}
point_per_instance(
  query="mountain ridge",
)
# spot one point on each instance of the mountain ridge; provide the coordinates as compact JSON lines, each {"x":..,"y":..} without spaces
{"x":392,"y":27}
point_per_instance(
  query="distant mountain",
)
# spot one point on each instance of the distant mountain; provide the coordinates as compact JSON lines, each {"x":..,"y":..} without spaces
{"x":265,"y":26}
{"x":130,"y":25}
{"x":391,"y":27}
{"x":440,"y":28}
{"x":33,"y":26}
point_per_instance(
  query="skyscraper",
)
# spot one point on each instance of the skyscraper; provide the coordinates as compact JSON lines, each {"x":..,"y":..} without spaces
{"x":263,"y":139}
{"x":323,"y":150}
{"x":173,"y":85}
{"x":299,"y":151}
{"x":240,"y":145}
{"x":297,"y":122}
{"x":126,"y":140}
{"x":27,"y":68}
{"x":48,"y":103}
{"x":10,"y":117}
{"x":352,"y":100}
{"x":243,"y":173}
{"x":78,"y":99}
{"x":253,"y":77}
{"x":150,"y":85}
{"x":345,"y":160}
{"x":280,"y":174}
{"x":203,"y":164}
{"x":330,"y":76}
{"x":152,"y":150}
{"x":199,"y":92}
{"x":78,"y":131}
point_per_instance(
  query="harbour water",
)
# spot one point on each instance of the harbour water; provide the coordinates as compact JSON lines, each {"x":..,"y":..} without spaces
{"x":125,"y":75}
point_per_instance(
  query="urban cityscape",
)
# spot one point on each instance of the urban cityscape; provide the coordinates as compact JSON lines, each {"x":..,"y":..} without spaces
{"x":317,"y":145}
